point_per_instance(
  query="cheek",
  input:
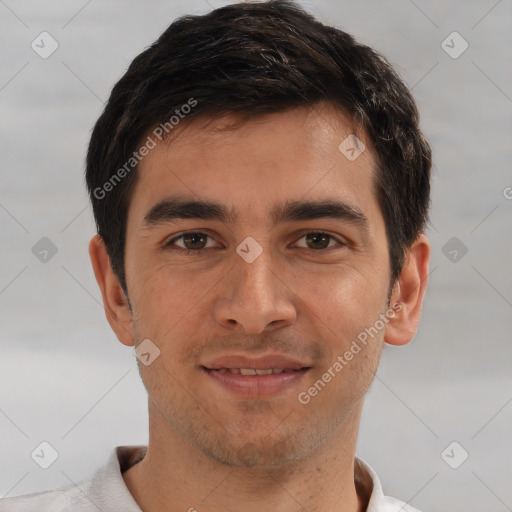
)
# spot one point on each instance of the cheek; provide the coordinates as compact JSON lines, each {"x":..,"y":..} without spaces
{"x":344,"y":309}
{"x":170,"y":311}
{"x":343,"y":302}
{"x":166,"y":297}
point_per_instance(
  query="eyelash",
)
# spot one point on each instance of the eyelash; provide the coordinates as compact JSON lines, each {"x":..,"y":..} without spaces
{"x":199,"y":252}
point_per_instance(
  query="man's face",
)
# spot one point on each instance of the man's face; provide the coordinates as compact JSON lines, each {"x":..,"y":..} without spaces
{"x":294,"y":306}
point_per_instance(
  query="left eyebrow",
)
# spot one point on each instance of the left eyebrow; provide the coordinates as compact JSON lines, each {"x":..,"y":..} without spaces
{"x":177,"y":207}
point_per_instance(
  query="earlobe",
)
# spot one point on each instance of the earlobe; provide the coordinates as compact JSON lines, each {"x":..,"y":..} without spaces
{"x":115,"y":302}
{"x":408,"y":293}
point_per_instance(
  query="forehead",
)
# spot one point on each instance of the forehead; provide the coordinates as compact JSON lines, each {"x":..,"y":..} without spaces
{"x":295,"y":155}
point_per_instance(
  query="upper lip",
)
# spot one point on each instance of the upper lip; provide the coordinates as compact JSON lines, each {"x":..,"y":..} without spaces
{"x":258,"y":363}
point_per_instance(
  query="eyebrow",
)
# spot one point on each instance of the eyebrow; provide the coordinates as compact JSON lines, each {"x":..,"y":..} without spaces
{"x":177,"y":207}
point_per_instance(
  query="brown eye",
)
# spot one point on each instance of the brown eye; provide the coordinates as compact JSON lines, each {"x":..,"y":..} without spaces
{"x":191,"y":243}
{"x":318,"y":240}
{"x":194,"y":240}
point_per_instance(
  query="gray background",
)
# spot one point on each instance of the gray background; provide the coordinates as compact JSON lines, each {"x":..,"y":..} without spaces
{"x":64,"y":377}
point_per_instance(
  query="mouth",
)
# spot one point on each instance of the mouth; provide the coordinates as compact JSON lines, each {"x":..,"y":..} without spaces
{"x":255,"y":371}
{"x":255,"y":379}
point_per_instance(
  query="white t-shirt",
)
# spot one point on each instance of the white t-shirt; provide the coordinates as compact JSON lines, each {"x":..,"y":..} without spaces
{"x":106,"y":491}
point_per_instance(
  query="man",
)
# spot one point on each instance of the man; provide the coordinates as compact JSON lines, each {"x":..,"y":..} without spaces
{"x":260,"y":187}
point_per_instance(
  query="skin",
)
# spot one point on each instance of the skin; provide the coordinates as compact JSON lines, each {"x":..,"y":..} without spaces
{"x":208,"y":448}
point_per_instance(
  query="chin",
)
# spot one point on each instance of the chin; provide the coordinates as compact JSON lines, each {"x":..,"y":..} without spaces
{"x":263,"y":453}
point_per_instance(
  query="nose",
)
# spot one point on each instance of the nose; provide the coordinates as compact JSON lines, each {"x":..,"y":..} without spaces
{"x":254,"y":297}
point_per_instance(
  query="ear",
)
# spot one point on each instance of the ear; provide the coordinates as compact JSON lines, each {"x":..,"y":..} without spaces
{"x":116,"y":305}
{"x":408,"y":293}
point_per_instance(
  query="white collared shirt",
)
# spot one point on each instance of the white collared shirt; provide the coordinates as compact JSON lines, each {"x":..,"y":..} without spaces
{"x":106,"y":491}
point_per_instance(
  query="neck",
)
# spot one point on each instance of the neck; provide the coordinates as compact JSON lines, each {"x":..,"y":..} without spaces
{"x":176,"y":476}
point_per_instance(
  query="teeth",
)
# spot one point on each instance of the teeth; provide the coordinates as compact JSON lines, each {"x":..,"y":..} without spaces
{"x":264,"y":372}
{"x":253,"y":371}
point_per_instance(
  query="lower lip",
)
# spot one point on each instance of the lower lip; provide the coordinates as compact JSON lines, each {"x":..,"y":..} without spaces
{"x":256,"y":386}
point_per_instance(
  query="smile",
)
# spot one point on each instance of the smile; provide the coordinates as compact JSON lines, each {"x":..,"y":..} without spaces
{"x":255,"y":383}
{"x":254,"y":371}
